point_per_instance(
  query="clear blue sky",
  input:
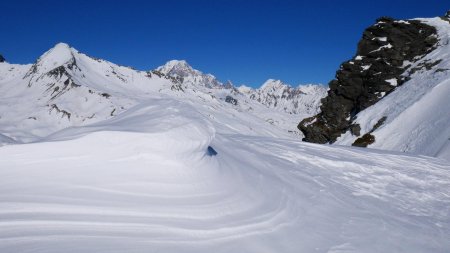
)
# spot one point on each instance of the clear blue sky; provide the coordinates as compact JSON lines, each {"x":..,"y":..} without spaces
{"x":244,"y":41}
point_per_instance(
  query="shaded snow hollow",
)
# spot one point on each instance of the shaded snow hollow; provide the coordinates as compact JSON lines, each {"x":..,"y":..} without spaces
{"x":143,"y":181}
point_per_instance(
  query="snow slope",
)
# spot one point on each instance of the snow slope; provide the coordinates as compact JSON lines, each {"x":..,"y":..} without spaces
{"x":418,"y":112}
{"x":162,"y":177}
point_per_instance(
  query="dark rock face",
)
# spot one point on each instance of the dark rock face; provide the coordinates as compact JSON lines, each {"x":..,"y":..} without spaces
{"x":231,"y":100}
{"x":2,"y":59}
{"x":375,"y":71}
{"x":364,"y":141}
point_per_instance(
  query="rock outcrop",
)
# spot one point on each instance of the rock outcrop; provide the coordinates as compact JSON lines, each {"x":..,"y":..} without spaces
{"x":385,"y":51}
{"x":2,"y":59}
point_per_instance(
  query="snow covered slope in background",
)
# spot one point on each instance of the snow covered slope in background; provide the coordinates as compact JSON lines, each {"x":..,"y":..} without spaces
{"x":161,"y":177}
{"x":417,"y":114}
{"x":66,"y":88}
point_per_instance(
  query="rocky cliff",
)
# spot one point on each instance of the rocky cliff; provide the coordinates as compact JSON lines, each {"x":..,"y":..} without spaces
{"x":384,"y":54}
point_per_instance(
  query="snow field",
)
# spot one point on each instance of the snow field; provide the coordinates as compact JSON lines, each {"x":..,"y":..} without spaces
{"x":143,"y":182}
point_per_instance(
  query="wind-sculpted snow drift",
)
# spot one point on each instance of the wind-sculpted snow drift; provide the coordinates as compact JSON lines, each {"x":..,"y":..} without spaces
{"x":143,"y":182}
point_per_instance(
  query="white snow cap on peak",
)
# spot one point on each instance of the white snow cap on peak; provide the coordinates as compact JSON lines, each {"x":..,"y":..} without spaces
{"x":272,"y":84}
{"x":59,"y":49}
{"x":60,"y":54}
{"x":174,"y":64}
{"x":180,"y":68}
{"x":61,"y":45}
{"x":177,"y":62}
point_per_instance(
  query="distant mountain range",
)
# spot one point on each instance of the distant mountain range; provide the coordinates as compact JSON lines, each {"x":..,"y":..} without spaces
{"x":65,"y":88}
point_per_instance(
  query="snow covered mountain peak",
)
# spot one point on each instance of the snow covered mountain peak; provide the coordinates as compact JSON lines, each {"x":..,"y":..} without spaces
{"x":180,"y":69}
{"x":62,"y":46}
{"x":60,"y":54}
{"x":175,"y":65}
{"x":52,"y":61}
{"x":272,"y":85}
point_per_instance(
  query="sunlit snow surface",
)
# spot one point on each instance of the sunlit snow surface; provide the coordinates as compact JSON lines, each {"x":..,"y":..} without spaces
{"x":144,"y":182}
